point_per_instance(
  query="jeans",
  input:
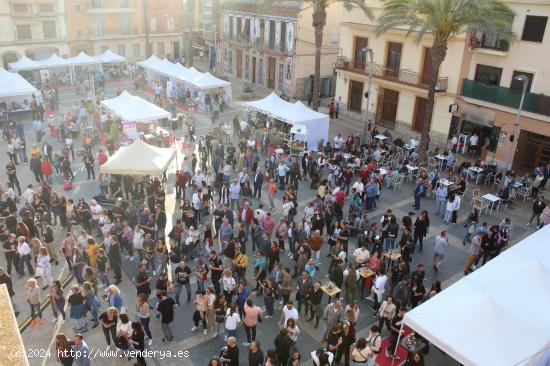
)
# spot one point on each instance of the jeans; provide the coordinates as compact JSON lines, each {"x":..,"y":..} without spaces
{"x":77,"y":271}
{"x":448,"y":215}
{"x":178,"y":291}
{"x":417,"y":202}
{"x":26,"y":259}
{"x":235,"y":202}
{"x":230,"y":332}
{"x":281,"y":182}
{"x":109,"y":333}
{"x":80,"y":324}
{"x":166,"y":331}
{"x":145,"y":323}
{"x":35,"y":310}
{"x":268,"y":301}
{"x":371,"y":203}
{"x":317,"y":255}
{"x":104,"y":279}
{"x":418,"y":239}
{"x":389,"y":243}
{"x":441,"y":206}
{"x":250,"y":333}
{"x":271,"y":203}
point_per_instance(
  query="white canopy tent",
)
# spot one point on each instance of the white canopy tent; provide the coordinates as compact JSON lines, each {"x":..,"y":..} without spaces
{"x":14,"y":85}
{"x":132,"y":108}
{"x":209,"y":81}
{"x":53,"y":61}
{"x":269,"y":104}
{"x":298,"y":114}
{"x":109,"y":57}
{"x":82,"y":59}
{"x":24,"y":63}
{"x":139,"y":158}
{"x":496,"y":315}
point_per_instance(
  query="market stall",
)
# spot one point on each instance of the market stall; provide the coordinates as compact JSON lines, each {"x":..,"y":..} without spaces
{"x":23,"y":64}
{"x":494,"y":315}
{"x":133,"y":108}
{"x":139,"y":159}
{"x":54,"y":68}
{"x":15,"y":92}
{"x":109,"y":57}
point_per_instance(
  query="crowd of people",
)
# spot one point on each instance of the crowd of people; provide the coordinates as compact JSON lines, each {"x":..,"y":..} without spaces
{"x":231,"y":252}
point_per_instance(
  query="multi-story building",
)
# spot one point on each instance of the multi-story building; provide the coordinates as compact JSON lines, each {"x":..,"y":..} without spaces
{"x":35,"y":29}
{"x":490,"y":95}
{"x":400,"y":73}
{"x":274,"y":46}
{"x":210,"y":32}
{"x":121,"y":25}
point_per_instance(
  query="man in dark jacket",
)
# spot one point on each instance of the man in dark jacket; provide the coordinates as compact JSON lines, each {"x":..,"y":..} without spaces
{"x":283,"y":346}
{"x":115,"y":260}
{"x":538,"y":207}
{"x":402,"y":293}
{"x":160,"y":221}
{"x":255,"y":354}
{"x":258,"y":182}
{"x":35,"y":164}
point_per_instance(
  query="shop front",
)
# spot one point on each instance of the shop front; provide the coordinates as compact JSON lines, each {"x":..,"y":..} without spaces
{"x":533,"y":150}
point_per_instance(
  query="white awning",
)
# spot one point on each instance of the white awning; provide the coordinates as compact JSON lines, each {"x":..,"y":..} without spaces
{"x":24,"y":63}
{"x":13,"y":85}
{"x":109,"y":57}
{"x":133,"y":108}
{"x":82,"y":59}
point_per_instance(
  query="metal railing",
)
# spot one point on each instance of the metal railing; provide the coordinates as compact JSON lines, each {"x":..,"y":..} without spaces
{"x":535,"y":103}
{"x":401,"y":76}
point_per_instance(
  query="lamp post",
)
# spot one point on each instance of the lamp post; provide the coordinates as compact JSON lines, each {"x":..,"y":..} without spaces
{"x":367,"y":94}
{"x":525,"y":80}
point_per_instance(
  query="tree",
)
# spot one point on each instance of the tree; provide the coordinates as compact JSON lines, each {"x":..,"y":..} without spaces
{"x":444,"y":20}
{"x":319,"y":16}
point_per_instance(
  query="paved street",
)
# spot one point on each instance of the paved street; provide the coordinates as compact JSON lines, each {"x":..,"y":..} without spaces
{"x":200,"y":347}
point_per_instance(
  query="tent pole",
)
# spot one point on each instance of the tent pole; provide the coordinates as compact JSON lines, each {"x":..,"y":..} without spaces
{"x":397,"y":345}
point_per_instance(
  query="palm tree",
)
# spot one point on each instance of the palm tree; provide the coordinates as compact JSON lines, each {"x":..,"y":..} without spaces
{"x":319,"y":21}
{"x":444,"y":20}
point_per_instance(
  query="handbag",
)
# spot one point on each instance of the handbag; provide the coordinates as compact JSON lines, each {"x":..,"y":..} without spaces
{"x":219,"y":318}
{"x":471,"y":229}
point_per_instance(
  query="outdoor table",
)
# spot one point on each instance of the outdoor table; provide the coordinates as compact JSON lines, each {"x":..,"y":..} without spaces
{"x":392,"y":256}
{"x":476,"y":170}
{"x":380,"y":137}
{"x":441,"y":159}
{"x":364,"y":273}
{"x":383,"y":171}
{"x":445,"y":182}
{"x":331,"y":292}
{"x":409,"y":148}
{"x":493,"y":199}
{"x":412,"y":345}
{"x":347,"y":156}
{"x":517,"y":185}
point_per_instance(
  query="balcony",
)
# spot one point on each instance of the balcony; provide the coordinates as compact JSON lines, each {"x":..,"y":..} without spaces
{"x":494,"y":45}
{"x":111,"y":7}
{"x":534,"y":103}
{"x":113,"y":33}
{"x":405,"y":77}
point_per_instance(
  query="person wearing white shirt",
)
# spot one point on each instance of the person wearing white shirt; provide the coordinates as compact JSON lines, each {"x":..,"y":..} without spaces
{"x":359,"y":187}
{"x":361,"y":256}
{"x":24,"y":252}
{"x":289,"y":312}
{"x":95,"y":210}
{"x":137,"y":241}
{"x":454,"y":143}
{"x":28,"y":195}
{"x":337,"y":142}
{"x":315,"y":357}
{"x":234,"y":194}
{"x":232,"y":320}
{"x":198,"y":179}
{"x":473,"y":143}
{"x":379,"y":288}
{"x":281,"y":173}
{"x":441,"y":198}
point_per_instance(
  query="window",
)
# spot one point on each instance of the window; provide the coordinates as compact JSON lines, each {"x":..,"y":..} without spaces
{"x":96,"y":4}
{"x":125,"y":25}
{"x":49,"y":29}
{"x":45,"y":8}
{"x":283,"y":36}
{"x":334,"y":35}
{"x":488,"y":74}
{"x":153,"y":24}
{"x":169,"y":23}
{"x":136,"y":50}
{"x":77,"y":8}
{"x":124,"y":3}
{"x":98,"y":27}
{"x":518,"y":85}
{"x":160,"y":48}
{"x":360,"y":59}
{"x":20,"y":8}
{"x":230,"y":27}
{"x":533,"y":30}
{"x":121,"y":50}
{"x":24,"y":31}
{"x":79,"y":34}
{"x":419,"y":112}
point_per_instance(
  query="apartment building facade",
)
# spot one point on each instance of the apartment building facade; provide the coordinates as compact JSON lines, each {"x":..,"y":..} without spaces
{"x":400,"y":77}
{"x":490,"y":95}
{"x":275,"y":46}
{"x":121,"y":25}
{"x":31,"y":28}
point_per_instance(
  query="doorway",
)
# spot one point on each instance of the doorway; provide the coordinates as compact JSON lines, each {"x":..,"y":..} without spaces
{"x":532,"y":150}
{"x":253,"y":70}
{"x":239,"y":63}
{"x":271,"y":63}
{"x":355,"y":96}
{"x":176,"y":50}
{"x":387,"y":106}
{"x":393,"y":58}
{"x":419,"y":112}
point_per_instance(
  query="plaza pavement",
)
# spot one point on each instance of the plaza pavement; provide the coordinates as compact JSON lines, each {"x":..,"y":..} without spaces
{"x":202,"y":348}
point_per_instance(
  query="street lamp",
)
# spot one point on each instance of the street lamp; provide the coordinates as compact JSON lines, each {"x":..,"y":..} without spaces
{"x":367,"y":94}
{"x":525,"y":80}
